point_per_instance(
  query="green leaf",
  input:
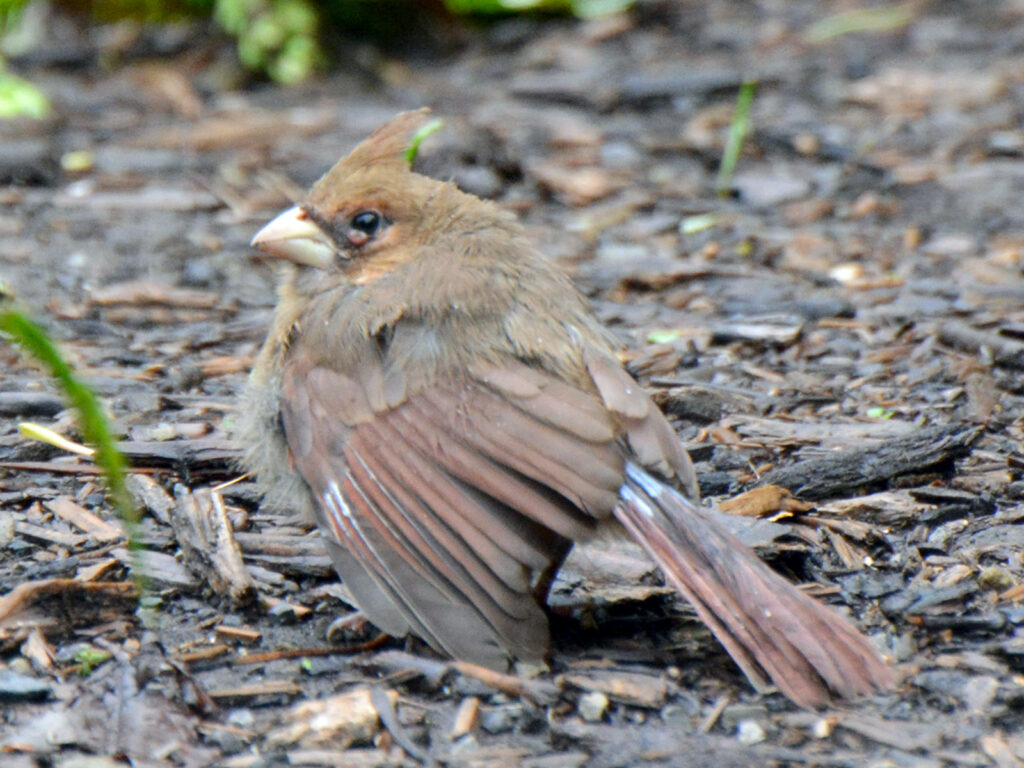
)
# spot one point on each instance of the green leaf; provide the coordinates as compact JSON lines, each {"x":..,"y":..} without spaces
{"x":418,"y":137}
{"x":89,"y":658}
{"x":737,"y":133}
{"x":91,"y":420}
{"x":19,"y":98}
{"x":691,"y":225}
{"x":662,"y":337}
{"x":883,"y":19}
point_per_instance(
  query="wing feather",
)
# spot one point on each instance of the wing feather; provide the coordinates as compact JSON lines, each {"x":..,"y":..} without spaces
{"x":448,"y":527}
{"x":448,"y":505}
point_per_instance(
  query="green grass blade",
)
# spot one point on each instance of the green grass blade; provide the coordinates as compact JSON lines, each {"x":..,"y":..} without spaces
{"x":884,"y":19}
{"x":737,"y":133}
{"x":418,"y":137}
{"x":91,"y":420}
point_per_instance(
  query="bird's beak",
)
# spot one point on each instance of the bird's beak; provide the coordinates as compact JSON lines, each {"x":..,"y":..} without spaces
{"x":294,"y":236}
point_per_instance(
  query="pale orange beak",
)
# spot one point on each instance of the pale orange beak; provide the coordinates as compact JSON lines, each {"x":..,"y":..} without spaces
{"x":294,"y":236}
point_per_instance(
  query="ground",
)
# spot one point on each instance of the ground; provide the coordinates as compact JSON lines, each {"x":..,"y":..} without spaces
{"x":846,"y":323}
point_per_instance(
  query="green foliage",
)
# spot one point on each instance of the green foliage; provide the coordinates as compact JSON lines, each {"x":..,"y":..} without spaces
{"x":664,"y":336}
{"x":884,"y":19}
{"x":737,"y":133}
{"x":418,"y":137}
{"x":19,"y":98}
{"x":283,"y":37}
{"x":280,"y":37}
{"x":91,"y":420}
{"x":9,"y":10}
{"x":90,"y":658}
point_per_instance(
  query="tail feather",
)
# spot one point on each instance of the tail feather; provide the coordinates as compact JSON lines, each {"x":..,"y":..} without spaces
{"x":771,"y":629}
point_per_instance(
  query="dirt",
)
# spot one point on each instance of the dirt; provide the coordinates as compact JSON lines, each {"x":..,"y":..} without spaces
{"x":847,"y":322}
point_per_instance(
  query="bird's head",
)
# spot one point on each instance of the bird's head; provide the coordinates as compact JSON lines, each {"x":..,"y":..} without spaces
{"x":370,"y":212}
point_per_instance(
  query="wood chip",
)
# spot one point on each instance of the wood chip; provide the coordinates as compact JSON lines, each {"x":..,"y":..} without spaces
{"x":238,"y":633}
{"x":231,"y":130}
{"x":96,"y":527}
{"x":852,"y":558}
{"x":901,"y":734}
{"x":577,"y":186}
{"x":467,"y":718}
{"x":142,"y":293}
{"x":982,"y":396}
{"x":203,"y":654}
{"x":46,"y":535}
{"x":995,"y":746}
{"x":858,"y":468}
{"x":155,"y":198}
{"x":58,"y":466}
{"x":1002,"y":350}
{"x":540,"y":692}
{"x":854,"y":529}
{"x":337,"y":721}
{"x":207,"y":541}
{"x":148,"y":494}
{"x":97,"y":571}
{"x":159,"y":567}
{"x":771,"y":432}
{"x":1014,"y":593}
{"x":349,"y":758}
{"x":265,"y":688}
{"x":37,"y":650}
{"x":300,"y":611}
{"x":626,"y":687}
{"x":74,"y":600}
{"x":225,"y":365}
{"x":763,"y":501}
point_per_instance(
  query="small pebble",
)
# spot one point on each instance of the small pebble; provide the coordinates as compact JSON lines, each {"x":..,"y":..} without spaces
{"x":823,"y":728}
{"x":241,"y":718}
{"x":592,"y":706}
{"x":21,"y":666}
{"x":501,"y":719}
{"x":6,"y":529}
{"x":996,"y":578}
{"x":283,"y":613}
{"x":749,"y":732}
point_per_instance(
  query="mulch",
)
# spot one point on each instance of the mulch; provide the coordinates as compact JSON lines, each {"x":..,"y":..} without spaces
{"x":839,"y":343}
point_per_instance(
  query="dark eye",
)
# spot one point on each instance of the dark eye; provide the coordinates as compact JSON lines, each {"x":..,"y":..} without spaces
{"x":367,"y":222}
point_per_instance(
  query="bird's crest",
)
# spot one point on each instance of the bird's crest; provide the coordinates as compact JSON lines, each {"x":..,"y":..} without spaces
{"x":393,"y":145}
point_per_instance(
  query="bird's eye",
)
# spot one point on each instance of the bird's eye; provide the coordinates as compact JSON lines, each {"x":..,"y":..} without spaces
{"x":363,"y":227}
{"x":367,"y":222}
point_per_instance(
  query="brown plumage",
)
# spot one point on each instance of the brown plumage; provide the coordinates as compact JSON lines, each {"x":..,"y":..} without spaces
{"x":444,"y":397}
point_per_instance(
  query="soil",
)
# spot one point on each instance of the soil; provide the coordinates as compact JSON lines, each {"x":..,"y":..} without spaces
{"x":846,"y":322}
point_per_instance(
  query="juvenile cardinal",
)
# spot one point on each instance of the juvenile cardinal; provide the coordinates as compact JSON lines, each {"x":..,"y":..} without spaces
{"x":442,"y":395}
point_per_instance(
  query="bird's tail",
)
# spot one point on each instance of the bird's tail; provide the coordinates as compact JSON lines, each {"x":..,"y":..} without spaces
{"x":771,"y":629}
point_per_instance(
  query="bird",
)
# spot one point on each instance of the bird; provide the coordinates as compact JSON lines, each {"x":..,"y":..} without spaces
{"x":443,"y":398}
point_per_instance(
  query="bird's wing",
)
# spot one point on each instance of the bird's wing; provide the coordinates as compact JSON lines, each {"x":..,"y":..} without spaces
{"x":447,"y":505}
{"x":652,"y":441}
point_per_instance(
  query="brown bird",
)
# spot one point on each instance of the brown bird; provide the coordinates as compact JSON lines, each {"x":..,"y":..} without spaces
{"x":442,"y":395}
